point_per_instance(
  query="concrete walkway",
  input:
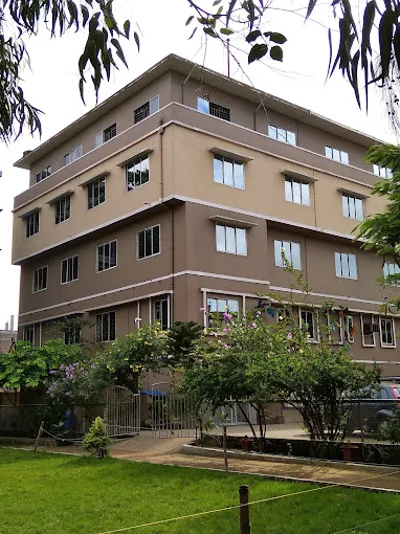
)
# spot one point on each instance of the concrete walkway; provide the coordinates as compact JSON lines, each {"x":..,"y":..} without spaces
{"x":168,"y":452}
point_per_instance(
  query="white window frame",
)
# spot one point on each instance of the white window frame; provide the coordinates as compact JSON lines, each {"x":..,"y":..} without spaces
{"x":314,"y":339}
{"x":72,"y":156}
{"x":303,"y":187}
{"x":160,"y":302}
{"x":352,"y":207}
{"x":32,"y":328}
{"x":392,"y":321}
{"x":99,"y":139}
{"x":60,"y":208}
{"x":391,"y":266}
{"x":339,"y":258}
{"x":143,"y":230}
{"x":282,"y":134}
{"x":154,"y":107}
{"x":38,"y":270}
{"x":108,"y":340}
{"x":341,"y":156}
{"x":373,"y":322}
{"x":134,"y":162}
{"x":30,"y":223}
{"x":109,"y":243}
{"x":382,"y":172}
{"x":43,"y":174}
{"x":233,"y":163}
{"x":72,"y":269}
{"x":235,"y":229}
{"x":88,"y":188}
{"x":286,"y":246}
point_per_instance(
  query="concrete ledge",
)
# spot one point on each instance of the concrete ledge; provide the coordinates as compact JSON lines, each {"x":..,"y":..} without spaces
{"x":276,"y":458}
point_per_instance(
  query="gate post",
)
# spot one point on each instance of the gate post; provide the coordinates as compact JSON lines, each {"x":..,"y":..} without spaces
{"x":244,"y":510}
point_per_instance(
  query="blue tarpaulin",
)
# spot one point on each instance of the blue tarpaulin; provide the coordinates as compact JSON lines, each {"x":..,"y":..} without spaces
{"x":153,"y":393}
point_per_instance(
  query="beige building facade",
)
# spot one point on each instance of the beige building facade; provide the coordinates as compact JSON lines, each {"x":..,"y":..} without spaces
{"x":179,"y":192}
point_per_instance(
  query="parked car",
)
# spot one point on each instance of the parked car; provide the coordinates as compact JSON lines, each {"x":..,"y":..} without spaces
{"x":371,"y":412}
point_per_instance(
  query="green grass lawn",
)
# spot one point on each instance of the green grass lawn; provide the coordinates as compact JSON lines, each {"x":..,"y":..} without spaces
{"x":53,"y":494}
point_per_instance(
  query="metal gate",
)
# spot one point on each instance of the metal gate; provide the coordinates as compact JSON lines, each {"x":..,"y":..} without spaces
{"x":122,"y":413}
{"x":173,"y":415}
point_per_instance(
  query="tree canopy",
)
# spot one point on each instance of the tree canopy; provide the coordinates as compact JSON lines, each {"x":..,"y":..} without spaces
{"x":365,"y":49}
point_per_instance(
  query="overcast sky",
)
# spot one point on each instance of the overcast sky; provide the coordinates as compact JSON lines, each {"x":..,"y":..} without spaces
{"x":52,"y":86}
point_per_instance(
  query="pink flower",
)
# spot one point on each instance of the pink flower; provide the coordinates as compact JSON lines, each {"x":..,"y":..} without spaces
{"x":202,"y":309}
{"x":225,"y":330}
{"x":254,"y":325}
{"x":290,"y":335}
{"x":225,"y":346}
{"x":227,"y":316}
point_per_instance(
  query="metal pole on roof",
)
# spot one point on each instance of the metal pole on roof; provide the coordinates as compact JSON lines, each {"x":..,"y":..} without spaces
{"x":228,"y":49}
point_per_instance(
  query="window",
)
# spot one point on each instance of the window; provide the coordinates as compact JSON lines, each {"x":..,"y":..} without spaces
{"x":32,"y":224}
{"x":96,"y":193}
{"x":352,"y":207}
{"x":44,"y":173}
{"x":106,"y":135}
{"x":106,"y":256}
{"x":72,"y":335}
{"x":337,"y":155}
{"x":348,"y":328}
{"x":150,"y":107}
{"x":369,"y":328}
{"x":62,"y":209}
{"x":297,"y":191}
{"x":387,"y":332}
{"x":280,"y":134}
{"x":205,"y":106}
{"x":73,"y":155}
{"x":346,"y":265}
{"x":137,"y":173}
{"x":231,"y":239}
{"x":228,"y":172}
{"x":389,"y":270}
{"x":39,"y":282}
{"x":148,"y":242}
{"x":286,"y":250}
{"x":222,"y":306}
{"x":29,"y":334}
{"x":383,"y":172}
{"x":105,"y":327}
{"x":161,"y":313}
{"x":69,"y":270}
{"x":308,"y":323}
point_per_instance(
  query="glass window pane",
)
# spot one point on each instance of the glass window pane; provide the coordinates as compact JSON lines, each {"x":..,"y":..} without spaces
{"x":218,"y":170}
{"x":272,"y":131}
{"x":278,"y":253}
{"x":291,"y":138}
{"x":345,"y":158}
{"x":203,"y":105}
{"x":141,"y":244}
{"x":233,"y":306}
{"x":376,"y":169}
{"x":338,"y":264}
{"x":345,"y":205}
{"x":113,"y":259}
{"x":212,"y":305}
{"x":221,"y":303}
{"x":385,"y":269}
{"x":228,"y":172}
{"x":220,"y":237}
{"x":148,"y":242}
{"x":100,"y":258}
{"x":241,"y":243}
{"x":335,"y":154}
{"x":328,"y":152}
{"x":305,"y":194}
{"x":230,"y":239}
{"x":106,"y":249}
{"x":105,"y":326}
{"x":287,"y":252}
{"x":154,"y":104}
{"x":359,"y":209}
{"x":296,"y":256}
{"x":238,"y":169}
{"x":288,"y":190}
{"x":345,"y":266}
{"x":352,"y":266}
{"x":156,"y":239}
{"x":281,"y":135}
{"x":296,"y":192}
{"x":352,"y":208}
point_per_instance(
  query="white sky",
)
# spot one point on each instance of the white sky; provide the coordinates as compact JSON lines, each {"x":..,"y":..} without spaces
{"x":52,"y":86}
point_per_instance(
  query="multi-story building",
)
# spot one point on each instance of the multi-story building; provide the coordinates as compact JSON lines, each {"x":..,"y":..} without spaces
{"x":179,"y":192}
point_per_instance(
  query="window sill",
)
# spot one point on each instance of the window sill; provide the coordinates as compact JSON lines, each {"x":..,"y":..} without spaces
{"x":233,"y":253}
{"x":105,"y":270}
{"x":147,"y":257}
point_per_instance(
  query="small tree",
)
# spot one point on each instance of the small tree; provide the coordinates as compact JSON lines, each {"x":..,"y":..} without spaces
{"x":96,"y":440}
{"x":181,"y":338}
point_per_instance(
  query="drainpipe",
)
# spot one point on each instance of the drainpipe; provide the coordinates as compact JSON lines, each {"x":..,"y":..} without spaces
{"x":171,"y":209}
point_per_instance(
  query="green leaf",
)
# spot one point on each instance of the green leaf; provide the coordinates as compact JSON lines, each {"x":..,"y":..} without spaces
{"x":257,"y":51}
{"x":189,"y":20}
{"x":137,"y":41}
{"x":385,"y":41}
{"x":226,"y":31}
{"x":193,"y":32}
{"x":252,"y":36}
{"x":127,"y":28}
{"x":216,"y":2}
{"x":277,"y":38}
{"x":210,"y":32}
{"x":276,"y":53}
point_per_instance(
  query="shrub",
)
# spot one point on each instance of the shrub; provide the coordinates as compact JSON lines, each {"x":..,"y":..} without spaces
{"x":96,"y":440}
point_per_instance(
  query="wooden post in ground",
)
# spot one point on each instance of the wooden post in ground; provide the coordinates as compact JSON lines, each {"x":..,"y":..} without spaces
{"x":244,"y":510}
{"x":224,"y":446}
{"x":38,"y":435}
